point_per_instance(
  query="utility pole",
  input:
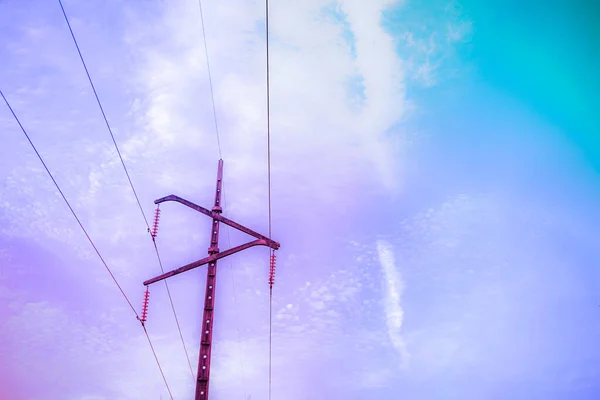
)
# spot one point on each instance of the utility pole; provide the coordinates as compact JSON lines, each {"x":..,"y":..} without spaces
{"x":214,"y":254}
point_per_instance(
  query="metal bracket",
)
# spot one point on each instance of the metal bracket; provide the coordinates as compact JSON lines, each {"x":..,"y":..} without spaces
{"x":215,"y":215}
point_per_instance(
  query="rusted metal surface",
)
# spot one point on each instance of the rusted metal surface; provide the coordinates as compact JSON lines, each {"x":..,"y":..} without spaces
{"x":214,"y":215}
{"x":203,"y":374}
{"x":214,"y":254}
{"x":206,"y":260}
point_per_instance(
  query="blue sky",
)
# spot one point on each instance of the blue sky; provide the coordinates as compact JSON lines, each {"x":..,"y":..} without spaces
{"x":435,"y":190}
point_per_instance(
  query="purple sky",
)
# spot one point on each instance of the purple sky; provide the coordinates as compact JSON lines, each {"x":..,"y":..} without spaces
{"x":439,"y":233}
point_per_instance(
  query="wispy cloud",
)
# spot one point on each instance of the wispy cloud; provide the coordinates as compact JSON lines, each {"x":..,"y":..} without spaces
{"x":330,"y":153}
{"x":310,"y":68}
{"x":427,"y":39}
{"x":394,"y":288}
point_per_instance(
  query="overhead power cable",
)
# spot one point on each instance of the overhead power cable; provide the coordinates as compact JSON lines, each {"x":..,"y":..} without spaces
{"x":272,"y":252}
{"x":187,"y":356}
{"x":212,"y":95}
{"x":227,"y":228}
{"x":156,"y":358}
{"x":235,"y":308}
{"x":84,"y":231}
{"x":67,"y":202}
{"x":128,"y":178}
{"x":103,"y":113}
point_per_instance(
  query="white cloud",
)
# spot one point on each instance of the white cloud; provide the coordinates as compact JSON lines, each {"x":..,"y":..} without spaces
{"x":327,"y":151}
{"x":311,"y":118}
{"x":394,"y":287}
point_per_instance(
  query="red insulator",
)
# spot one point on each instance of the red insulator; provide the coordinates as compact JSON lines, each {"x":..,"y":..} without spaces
{"x":145,"y":306}
{"x":155,"y":225}
{"x":272,"y":270}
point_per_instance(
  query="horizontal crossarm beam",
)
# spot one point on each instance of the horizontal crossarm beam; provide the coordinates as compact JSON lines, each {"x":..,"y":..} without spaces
{"x":269,"y":243}
{"x":214,"y":257}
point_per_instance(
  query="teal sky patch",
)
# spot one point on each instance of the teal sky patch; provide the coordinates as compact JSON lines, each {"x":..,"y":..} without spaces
{"x":334,"y":13}
{"x":547,"y":55}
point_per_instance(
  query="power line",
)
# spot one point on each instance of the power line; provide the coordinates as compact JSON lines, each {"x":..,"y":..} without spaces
{"x":102,"y":111}
{"x":187,"y":356}
{"x":268,"y":116}
{"x":128,"y":178}
{"x":156,"y":358}
{"x":85,"y":232}
{"x":272,"y":252}
{"x":68,"y":204}
{"x":235,"y":312}
{"x":212,"y":95}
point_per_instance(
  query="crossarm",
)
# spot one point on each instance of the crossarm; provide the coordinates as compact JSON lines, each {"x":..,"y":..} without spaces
{"x":269,"y":243}
{"x":214,"y":257}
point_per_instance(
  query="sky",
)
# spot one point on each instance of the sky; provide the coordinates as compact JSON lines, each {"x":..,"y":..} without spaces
{"x":435,"y":190}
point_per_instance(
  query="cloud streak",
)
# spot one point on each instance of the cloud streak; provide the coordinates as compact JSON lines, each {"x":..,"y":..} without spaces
{"x":341,"y":94}
{"x":394,"y":288}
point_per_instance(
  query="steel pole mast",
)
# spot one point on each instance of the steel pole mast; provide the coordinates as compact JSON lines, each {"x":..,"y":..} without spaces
{"x":203,"y":374}
{"x":214,"y":254}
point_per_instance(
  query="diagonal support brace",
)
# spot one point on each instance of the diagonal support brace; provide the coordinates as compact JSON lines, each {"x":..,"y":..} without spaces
{"x":212,"y":214}
{"x":206,"y":260}
{"x":261,"y":239}
{"x":214,"y":254}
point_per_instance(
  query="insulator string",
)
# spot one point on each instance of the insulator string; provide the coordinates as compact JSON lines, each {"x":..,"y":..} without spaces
{"x":154,"y":232}
{"x":272,"y":270}
{"x":144,"y":316}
